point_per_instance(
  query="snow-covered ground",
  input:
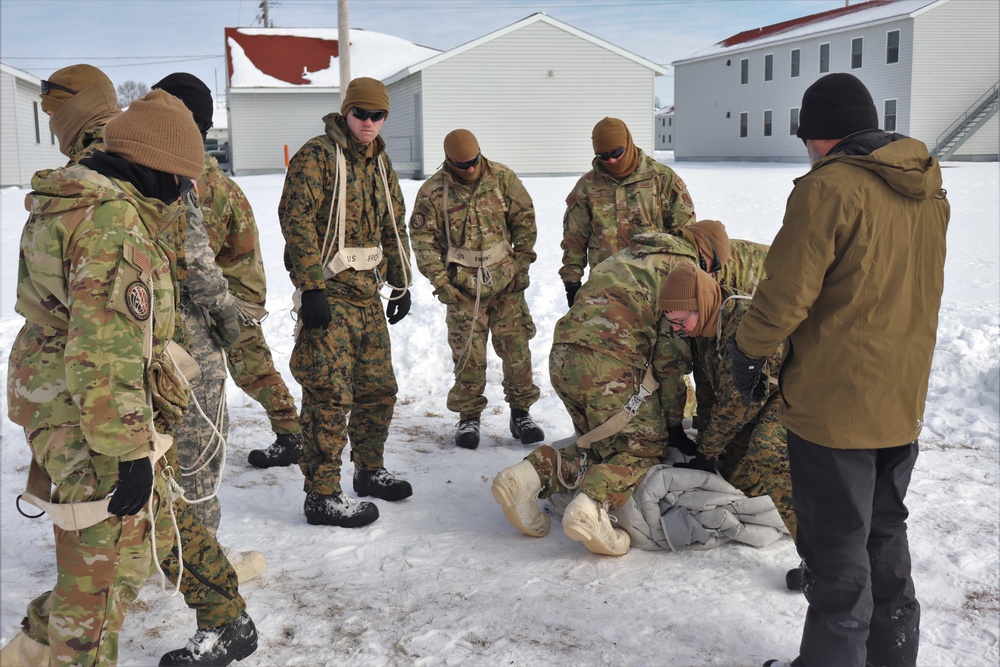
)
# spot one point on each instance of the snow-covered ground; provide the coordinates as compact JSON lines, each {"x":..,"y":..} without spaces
{"x":443,"y":579}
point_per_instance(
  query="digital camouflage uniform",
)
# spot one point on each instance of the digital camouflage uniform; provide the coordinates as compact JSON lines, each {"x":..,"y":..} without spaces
{"x":493,"y":210}
{"x":94,"y":274}
{"x":599,"y":355}
{"x":747,"y":437}
{"x":602,"y":214}
{"x":234,"y":238}
{"x":346,"y":368}
{"x":742,"y":272}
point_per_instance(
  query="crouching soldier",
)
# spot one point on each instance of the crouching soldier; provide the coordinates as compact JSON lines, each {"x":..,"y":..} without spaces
{"x":609,"y":351}
{"x":473,"y":233}
{"x":93,"y":384}
{"x":743,"y":440}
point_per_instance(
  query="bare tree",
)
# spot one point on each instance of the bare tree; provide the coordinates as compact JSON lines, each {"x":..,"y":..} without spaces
{"x":130,"y":90}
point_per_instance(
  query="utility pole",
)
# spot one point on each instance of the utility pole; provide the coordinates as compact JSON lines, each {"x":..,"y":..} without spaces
{"x":344,"y":45}
{"x":263,"y":14}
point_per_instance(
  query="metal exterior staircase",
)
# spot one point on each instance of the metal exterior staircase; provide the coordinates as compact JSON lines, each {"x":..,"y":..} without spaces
{"x":966,"y":125}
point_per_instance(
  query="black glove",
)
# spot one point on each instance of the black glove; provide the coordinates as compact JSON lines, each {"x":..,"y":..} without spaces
{"x":135,"y":484}
{"x":571,"y":290}
{"x":679,"y":440}
{"x":748,"y":375}
{"x":700,"y":462}
{"x":398,"y":306}
{"x":315,"y":309}
{"x":226,"y":326}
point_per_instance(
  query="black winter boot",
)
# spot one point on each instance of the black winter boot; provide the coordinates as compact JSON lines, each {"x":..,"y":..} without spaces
{"x":380,"y":483}
{"x":467,"y":433}
{"x":217,"y":646}
{"x":284,"y":451}
{"x":524,"y":428}
{"x":337,"y":509}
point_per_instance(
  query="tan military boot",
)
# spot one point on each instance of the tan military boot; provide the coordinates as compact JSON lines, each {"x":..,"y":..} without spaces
{"x":248,"y":564}
{"x":23,"y":651}
{"x":516,"y":489}
{"x":586,"y":521}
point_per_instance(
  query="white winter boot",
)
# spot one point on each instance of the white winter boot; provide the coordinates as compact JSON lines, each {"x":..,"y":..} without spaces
{"x":516,"y":489}
{"x":586,"y":521}
{"x":23,"y":651}
{"x":248,"y":564}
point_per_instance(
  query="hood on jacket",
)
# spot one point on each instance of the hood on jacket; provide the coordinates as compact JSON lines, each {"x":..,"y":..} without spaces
{"x":903,"y":163}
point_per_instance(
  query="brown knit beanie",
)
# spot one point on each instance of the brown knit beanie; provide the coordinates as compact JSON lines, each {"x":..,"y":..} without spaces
{"x":78,"y":78}
{"x":680,"y":290}
{"x":710,"y":237}
{"x":158,"y":132}
{"x":365,"y":93}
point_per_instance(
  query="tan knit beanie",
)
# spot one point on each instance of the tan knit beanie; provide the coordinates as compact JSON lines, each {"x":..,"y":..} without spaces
{"x":365,"y":93}
{"x":461,"y":145}
{"x":78,"y":78}
{"x":680,"y":290}
{"x":158,"y":132}
{"x":710,"y":237}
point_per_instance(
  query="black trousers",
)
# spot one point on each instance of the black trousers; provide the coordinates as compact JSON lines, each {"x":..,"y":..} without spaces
{"x":852,"y":537}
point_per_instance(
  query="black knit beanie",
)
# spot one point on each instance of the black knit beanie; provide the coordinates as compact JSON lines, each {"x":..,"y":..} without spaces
{"x":195,"y":95}
{"x":836,"y":106}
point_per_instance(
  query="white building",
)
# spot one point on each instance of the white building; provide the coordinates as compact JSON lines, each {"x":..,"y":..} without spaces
{"x":282,"y":81}
{"x":932,"y":67}
{"x":26,"y":143}
{"x":531,"y":93}
{"x":663,"y":128}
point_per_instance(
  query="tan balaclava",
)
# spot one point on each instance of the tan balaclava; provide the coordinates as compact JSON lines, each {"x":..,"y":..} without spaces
{"x":365,"y":93}
{"x":158,"y":132}
{"x":710,"y":237}
{"x":462,"y":146}
{"x":93,"y":105}
{"x":689,"y":288}
{"x":609,"y":134}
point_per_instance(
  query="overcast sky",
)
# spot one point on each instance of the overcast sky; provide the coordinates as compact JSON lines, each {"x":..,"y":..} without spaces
{"x":144,"y":40}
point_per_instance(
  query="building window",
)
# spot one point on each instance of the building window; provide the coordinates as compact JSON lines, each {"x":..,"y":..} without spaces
{"x":795,"y":62}
{"x":670,"y":138}
{"x":744,"y":72}
{"x":670,"y":121}
{"x":767,"y":122}
{"x":890,"y":116}
{"x":892,"y":47}
{"x":744,"y":119}
{"x":824,"y":58}
{"x":857,"y":46}
{"x":768,"y":67}
{"x":793,"y":121}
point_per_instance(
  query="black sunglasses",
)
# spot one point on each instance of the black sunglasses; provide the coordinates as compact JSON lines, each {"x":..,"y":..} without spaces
{"x":365,"y":114}
{"x":48,"y":86}
{"x":462,"y":166}
{"x":611,"y":155}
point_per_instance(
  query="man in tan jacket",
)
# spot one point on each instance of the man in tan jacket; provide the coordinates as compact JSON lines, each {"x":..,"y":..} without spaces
{"x":854,"y":281}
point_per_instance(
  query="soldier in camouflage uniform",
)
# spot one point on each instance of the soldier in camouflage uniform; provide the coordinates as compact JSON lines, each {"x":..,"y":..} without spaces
{"x":626,"y":193}
{"x":342,"y":216}
{"x":97,"y":329}
{"x":743,"y":440}
{"x":600,"y":352}
{"x":473,"y":233}
{"x":235,"y":242}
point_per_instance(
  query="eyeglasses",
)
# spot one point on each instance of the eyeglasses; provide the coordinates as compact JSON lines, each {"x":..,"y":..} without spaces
{"x":612,"y":155}
{"x":683,"y":323}
{"x":48,"y":86}
{"x":365,"y":114}
{"x":462,"y":166}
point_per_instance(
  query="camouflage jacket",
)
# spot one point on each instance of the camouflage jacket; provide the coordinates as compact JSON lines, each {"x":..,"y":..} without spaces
{"x":495,"y":209}
{"x":724,"y":406}
{"x":232,"y":232}
{"x":86,"y":144}
{"x":308,"y":198}
{"x":615,"y":311}
{"x":204,"y":284}
{"x":602,"y":214}
{"x":92,"y":277}
{"x":745,"y":267}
